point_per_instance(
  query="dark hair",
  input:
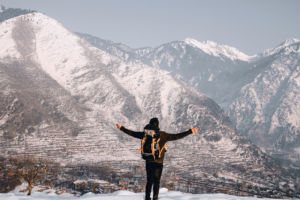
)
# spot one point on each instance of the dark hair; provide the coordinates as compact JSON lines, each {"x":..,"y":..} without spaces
{"x":154,"y":121}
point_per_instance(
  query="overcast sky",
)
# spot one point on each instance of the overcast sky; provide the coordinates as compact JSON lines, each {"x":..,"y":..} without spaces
{"x":251,"y":26}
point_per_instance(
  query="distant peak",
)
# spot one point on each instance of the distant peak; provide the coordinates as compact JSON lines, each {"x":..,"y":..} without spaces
{"x":288,"y":42}
{"x":270,"y":52}
{"x":215,"y":49}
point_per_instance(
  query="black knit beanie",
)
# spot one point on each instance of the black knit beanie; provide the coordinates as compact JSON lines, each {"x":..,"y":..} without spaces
{"x":154,"y":121}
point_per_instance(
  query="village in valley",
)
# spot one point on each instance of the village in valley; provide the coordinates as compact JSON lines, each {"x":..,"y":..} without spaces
{"x":81,"y":179}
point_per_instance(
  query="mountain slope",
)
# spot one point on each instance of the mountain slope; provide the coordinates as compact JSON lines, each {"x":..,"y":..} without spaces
{"x":107,"y":90}
{"x":209,"y":71}
{"x":263,"y":104}
{"x":258,"y":92}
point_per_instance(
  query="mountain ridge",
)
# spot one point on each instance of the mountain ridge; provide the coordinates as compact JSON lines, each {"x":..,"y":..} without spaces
{"x":215,"y":49}
{"x":226,"y":81}
{"x":109,"y":90}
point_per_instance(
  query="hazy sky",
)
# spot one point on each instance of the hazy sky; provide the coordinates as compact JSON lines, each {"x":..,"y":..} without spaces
{"x":251,"y":26}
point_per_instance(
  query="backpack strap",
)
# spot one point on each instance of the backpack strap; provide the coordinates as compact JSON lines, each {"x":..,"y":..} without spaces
{"x":160,"y":151}
{"x":142,"y":144}
{"x":157,"y":142}
{"x":152,"y":145}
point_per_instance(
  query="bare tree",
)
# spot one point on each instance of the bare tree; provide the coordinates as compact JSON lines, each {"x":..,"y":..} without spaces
{"x":6,"y":183}
{"x":30,"y":169}
{"x":170,"y":186}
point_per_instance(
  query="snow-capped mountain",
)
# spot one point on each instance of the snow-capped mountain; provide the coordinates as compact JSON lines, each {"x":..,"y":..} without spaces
{"x":275,"y":50}
{"x":47,"y":68}
{"x":258,"y":92}
{"x":217,"y":50}
{"x":263,"y":104}
{"x":208,"y":67}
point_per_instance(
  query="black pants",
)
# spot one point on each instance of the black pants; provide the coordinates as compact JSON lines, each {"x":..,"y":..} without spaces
{"x":154,"y":171}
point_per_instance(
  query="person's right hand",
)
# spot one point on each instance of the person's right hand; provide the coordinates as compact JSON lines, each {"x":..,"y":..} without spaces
{"x":119,"y":126}
{"x":194,"y":130}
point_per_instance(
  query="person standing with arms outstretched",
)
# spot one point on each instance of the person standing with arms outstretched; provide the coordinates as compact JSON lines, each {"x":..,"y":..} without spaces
{"x":154,"y":168}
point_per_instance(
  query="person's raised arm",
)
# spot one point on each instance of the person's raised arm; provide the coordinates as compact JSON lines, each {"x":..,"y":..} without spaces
{"x":134,"y":134}
{"x":172,"y":137}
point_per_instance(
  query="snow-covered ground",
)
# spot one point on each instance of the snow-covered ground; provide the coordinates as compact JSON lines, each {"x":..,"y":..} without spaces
{"x":124,"y":195}
{"x":118,"y":195}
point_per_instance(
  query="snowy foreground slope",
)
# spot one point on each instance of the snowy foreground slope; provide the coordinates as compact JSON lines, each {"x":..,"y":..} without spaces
{"x":61,"y":97}
{"x":126,"y":195}
{"x":123,"y":195}
{"x":259,"y":93}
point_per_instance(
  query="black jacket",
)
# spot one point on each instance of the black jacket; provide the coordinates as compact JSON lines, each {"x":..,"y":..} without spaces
{"x":164,"y":138}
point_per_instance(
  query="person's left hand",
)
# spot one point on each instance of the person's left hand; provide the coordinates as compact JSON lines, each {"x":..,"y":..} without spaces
{"x":119,"y":126}
{"x":194,"y":130}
